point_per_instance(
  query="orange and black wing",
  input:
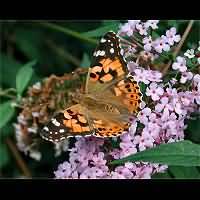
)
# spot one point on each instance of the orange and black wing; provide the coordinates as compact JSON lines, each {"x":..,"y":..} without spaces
{"x":126,"y":94}
{"x":123,"y":102}
{"x":71,"y":122}
{"x":109,"y":82}
{"x":107,"y":65}
{"x":105,"y":128}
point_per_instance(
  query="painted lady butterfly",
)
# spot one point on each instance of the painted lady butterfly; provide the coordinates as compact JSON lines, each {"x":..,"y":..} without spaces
{"x":111,"y":96}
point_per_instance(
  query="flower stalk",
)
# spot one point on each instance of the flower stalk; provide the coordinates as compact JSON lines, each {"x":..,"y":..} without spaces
{"x":20,"y":162}
{"x":68,"y":31}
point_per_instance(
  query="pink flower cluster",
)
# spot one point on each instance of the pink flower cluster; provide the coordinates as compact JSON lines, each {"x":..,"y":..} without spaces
{"x":162,"y":124}
{"x":88,"y":161}
{"x":142,"y":75}
{"x":161,"y":120}
{"x":162,"y":43}
{"x":180,"y":65}
{"x":137,"y":26}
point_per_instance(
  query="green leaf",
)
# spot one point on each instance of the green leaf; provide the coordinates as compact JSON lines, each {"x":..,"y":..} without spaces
{"x":85,"y":61}
{"x":6,"y":113}
{"x":183,"y":153}
{"x":102,"y":30}
{"x":185,"y":172}
{"x":23,"y":76}
{"x":4,"y":155}
{"x":8,"y":70}
{"x":164,"y":175}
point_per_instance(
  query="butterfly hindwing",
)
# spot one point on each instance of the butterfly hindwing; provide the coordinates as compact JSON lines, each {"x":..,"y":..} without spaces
{"x":71,"y":122}
{"x":109,"y":129}
{"x":127,"y":93}
{"x":124,"y":99}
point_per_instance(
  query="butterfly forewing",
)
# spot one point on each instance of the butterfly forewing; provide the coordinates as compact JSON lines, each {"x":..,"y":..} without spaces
{"x":107,"y":64}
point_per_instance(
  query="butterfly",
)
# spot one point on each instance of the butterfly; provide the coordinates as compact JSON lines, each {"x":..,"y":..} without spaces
{"x":111,"y":96}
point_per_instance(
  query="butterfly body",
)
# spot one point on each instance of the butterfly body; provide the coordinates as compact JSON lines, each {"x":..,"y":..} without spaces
{"x":111,"y":96}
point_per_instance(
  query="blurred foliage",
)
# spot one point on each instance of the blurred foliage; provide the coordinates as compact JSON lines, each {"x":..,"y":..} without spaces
{"x":32,"y":50}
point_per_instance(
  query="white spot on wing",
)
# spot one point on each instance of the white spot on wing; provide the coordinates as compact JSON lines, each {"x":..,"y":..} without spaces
{"x":61,"y":130}
{"x":103,"y":40}
{"x":102,"y":53}
{"x":97,"y":53}
{"x":55,"y":122}
{"x":112,"y":50}
{"x":46,"y":128}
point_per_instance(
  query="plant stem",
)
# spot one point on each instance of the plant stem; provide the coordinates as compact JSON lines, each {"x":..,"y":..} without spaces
{"x":137,"y":41}
{"x":11,"y":90}
{"x":68,"y":32}
{"x":178,"y":48}
{"x":22,"y":165}
{"x":7,"y":95}
{"x":64,"y":53}
{"x":135,"y":44}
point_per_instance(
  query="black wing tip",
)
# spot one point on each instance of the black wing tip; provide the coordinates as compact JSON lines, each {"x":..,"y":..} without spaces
{"x":109,"y":34}
{"x":52,"y":134}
